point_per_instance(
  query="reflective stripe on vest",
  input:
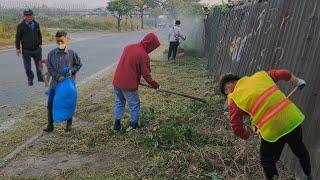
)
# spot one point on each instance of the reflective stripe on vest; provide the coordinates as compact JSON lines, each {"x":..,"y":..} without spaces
{"x":259,"y":101}
{"x":272,"y":112}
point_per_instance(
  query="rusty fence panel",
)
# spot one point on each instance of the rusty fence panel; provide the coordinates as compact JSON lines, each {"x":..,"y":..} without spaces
{"x":267,"y":35}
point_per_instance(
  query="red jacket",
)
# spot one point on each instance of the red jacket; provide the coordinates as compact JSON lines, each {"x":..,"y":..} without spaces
{"x":236,"y":114}
{"x":134,"y":63}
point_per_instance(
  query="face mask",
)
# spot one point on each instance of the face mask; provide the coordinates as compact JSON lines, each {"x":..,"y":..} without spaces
{"x":62,"y":46}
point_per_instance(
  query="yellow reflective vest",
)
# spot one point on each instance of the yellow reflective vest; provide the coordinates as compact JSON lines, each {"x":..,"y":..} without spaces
{"x":272,"y":113}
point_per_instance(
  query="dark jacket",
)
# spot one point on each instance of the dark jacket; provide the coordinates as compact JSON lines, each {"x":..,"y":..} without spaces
{"x":30,"y":39}
{"x":57,"y":60}
{"x":134,"y":63}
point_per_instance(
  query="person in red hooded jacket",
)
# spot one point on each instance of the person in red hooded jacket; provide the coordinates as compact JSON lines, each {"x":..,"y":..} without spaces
{"x":134,"y":63}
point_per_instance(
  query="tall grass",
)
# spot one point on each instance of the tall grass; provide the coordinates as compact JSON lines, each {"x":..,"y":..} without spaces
{"x":90,"y":24}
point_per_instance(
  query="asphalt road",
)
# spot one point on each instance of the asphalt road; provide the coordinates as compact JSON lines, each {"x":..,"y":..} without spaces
{"x":97,"y":51}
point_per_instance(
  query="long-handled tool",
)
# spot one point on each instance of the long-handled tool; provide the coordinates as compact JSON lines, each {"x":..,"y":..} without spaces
{"x":293,"y":91}
{"x":176,"y":93}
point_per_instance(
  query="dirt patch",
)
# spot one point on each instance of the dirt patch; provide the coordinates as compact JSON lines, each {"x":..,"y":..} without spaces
{"x":35,"y":162}
{"x":44,"y":166}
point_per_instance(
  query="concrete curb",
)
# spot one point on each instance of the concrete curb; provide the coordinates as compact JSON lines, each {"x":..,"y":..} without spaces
{"x":34,"y":138}
{"x":19,"y":149}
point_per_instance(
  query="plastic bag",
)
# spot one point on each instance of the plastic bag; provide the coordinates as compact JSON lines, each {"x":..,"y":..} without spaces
{"x":65,"y":100}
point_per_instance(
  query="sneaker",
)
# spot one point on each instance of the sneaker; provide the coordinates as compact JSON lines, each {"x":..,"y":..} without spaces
{"x":30,"y":83}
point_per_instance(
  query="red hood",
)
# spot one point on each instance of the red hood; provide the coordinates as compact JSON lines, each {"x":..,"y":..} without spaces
{"x":150,"y":42}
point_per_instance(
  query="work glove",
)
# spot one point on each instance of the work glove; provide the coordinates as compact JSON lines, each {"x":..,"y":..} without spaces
{"x":301,"y":84}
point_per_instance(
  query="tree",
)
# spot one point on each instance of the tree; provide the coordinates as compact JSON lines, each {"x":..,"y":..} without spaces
{"x":176,"y":8}
{"x":143,"y":5}
{"x":155,"y":13}
{"x":118,"y":8}
{"x":129,"y":7}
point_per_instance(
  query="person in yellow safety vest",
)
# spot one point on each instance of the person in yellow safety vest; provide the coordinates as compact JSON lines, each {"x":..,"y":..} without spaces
{"x":273,"y":115}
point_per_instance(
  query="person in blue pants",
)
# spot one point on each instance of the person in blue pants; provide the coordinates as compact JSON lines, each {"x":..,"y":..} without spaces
{"x":134,"y":64}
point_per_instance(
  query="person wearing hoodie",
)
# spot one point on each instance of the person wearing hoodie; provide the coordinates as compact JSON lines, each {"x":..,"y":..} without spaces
{"x":134,"y":63}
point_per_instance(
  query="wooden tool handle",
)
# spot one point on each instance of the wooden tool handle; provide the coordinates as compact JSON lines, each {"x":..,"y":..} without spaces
{"x":176,"y":93}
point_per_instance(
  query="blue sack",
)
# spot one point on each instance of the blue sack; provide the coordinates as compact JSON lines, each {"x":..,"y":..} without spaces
{"x":65,"y":100}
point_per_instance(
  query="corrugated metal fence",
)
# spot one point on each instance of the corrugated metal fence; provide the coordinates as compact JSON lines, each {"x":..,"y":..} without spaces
{"x":267,"y":35}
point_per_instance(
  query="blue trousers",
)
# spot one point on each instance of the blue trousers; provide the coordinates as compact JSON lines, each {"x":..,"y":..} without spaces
{"x":132,"y":97}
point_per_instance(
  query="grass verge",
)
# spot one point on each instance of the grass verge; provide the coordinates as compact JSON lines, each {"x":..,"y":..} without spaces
{"x":179,"y":139}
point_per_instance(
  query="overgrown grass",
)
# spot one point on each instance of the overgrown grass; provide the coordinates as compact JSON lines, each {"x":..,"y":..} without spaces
{"x":85,"y":24}
{"x":179,"y":139}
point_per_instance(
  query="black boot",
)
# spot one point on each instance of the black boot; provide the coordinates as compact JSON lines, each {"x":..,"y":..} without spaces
{"x":134,"y":125}
{"x":30,"y":83}
{"x":117,"y":125}
{"x":50,"y":121}
{"x":49,"y":128}
{"x":69,"y":125}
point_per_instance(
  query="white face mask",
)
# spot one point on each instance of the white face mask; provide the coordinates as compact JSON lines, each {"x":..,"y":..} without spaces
{"x":62,"y":46}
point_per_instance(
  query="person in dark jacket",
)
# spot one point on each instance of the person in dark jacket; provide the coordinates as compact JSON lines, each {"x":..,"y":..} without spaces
{"x":57,"y":60}
{"x":29,"y":36}
{"x":134,"y":63}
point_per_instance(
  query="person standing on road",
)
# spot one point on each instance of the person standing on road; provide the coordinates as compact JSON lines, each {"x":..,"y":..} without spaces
{"x":274,"y":116}
{"x":175,"y":34}
{"x":134,"y":63}
{"x":29,"y":36}
{"x":57,"y":60}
